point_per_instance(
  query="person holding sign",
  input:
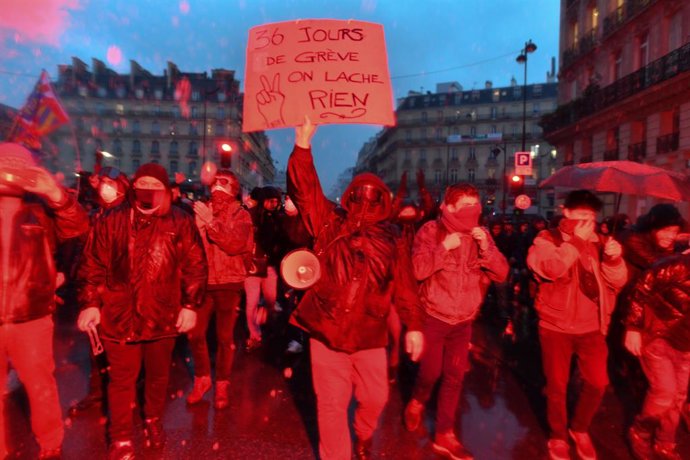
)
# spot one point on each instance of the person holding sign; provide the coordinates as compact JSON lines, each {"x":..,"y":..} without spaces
{"x":365,"y":267}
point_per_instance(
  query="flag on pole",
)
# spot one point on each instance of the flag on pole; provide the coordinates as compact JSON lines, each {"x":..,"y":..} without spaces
{"x":41,"y":115}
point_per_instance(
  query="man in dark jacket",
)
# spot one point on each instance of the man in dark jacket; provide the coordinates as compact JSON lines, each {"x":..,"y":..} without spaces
{"x":658,"y":332}
{"x":365,"y":267}
{"x":227,"y":233}
{"x":142,"y":277}
{"x":580,"y":275}
{"x":29,"y":231}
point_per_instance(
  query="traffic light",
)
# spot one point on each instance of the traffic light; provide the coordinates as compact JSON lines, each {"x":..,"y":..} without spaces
{"x":517,"y":184}
{"x":225,"y":151}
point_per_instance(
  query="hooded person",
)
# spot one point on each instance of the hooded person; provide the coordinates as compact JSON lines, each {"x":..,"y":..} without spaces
{"x":35,"y":214}
{"x":226,"y":230}
{"x":113,"y":186}
{"x":141,"y":280}
{"x":365,"y":266}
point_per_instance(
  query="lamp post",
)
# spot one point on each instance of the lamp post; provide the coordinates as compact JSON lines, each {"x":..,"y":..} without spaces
{"x":530,"y":47}
{"x":504,"y":177}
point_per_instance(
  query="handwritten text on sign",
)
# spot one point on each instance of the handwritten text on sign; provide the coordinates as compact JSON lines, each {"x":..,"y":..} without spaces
{"x":334,"y":71}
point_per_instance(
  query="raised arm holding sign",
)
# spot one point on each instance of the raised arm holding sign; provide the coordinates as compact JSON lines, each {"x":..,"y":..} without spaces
{"x":334,"y":71}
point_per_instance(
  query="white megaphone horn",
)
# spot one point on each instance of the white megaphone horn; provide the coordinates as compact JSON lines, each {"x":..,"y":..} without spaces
{"x":300,"y":269}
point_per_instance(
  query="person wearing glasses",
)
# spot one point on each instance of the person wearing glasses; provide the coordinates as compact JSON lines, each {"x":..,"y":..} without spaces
{"x":226,"y":230}
{"x":365,"y":266}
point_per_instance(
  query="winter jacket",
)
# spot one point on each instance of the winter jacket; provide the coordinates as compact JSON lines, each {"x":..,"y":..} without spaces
{"x":269,"y":234}
{"x":660,"y":302}
{"x":553,"y":257}
{"x":140,"y":271}
{"x":363,"y":270}
{"x":228,"y":242}
{"x":453,"y":283}
{"x":28,"y":271}
{"x":641,"y":251}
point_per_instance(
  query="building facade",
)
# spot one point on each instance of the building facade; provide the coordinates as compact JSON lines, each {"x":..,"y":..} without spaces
{"x":139,"y":117}
{"x":623,"y":86}
{"x":467,"y":136}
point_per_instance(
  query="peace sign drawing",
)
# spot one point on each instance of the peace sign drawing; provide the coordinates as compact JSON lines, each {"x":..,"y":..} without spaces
{"x":270,"y":101}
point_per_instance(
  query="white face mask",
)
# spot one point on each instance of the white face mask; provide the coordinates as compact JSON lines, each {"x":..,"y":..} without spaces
{"x":220,"y":188}
{"x":108,"y":193}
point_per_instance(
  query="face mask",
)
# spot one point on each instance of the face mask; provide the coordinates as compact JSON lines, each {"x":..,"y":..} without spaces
{"x":108,"y":193}
{"x":148,"y":201}
{"x":462,"y":220}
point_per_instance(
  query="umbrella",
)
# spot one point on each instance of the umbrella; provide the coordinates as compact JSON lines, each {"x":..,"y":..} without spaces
{"x":622,"y":177}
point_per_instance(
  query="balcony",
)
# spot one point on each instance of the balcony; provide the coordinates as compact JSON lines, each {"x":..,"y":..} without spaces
{"x":637,"y":152}
{"x":623,"y":13}
{"x":667,"y":143}
{"x":611,"y":155}
{"x":582,"y":47}
{"x":596,"y":99}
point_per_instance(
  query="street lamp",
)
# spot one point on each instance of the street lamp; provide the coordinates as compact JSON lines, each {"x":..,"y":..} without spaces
{"x":530,"y":47}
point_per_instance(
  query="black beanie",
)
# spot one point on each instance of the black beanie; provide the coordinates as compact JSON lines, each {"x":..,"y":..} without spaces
{"x":153,"y":170}
{"x":660,"y":216}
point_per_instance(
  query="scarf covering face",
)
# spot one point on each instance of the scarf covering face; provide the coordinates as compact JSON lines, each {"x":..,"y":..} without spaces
{"x":463,"y":220}
{"x":588,"y":281}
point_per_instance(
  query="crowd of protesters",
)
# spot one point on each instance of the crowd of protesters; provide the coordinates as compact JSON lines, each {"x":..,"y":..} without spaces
{"x":149,"y":265}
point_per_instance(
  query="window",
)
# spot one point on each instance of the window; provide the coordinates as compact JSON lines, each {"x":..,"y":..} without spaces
{"x":594,"y":17}
{"x":192,"y":129}
{"x":422,"y":154}
{"x":135,"y":164}
{"x":119,"y":109}
{"x":472,"y":153}
{"x":406,"y":155}
{"x":439,"y":133}
{"x":155,"y":127}
{"x":675,"y":32}
{"x":494,"y":112}
{"x":574,"y":33}
{"x":220,"y":113}
{"x":220,"y":129}
{"x":453,"y":176}
{"x":517,"y":91}
{"x":195,"y":111}
{"x":470,"y":175}
{"x":496,"y":95}
{"x":173,"y":148}
{"x":173,"y":166}
{"x":117,"y":147}
{"x":437,"y":176}
{"x":616,"y":66}
{"x":408,"y":135}
{"x":176,"y":111}
{"x":136,"y":127}
{"x":536,"y":90}
{"x":473,"y":131}
{"x":643,"y":50}
{"x":193,"y":149}
{"x":196,"y":95}
{"x":536,"y":108}
{"x":424,"y":117}
{"x":191,"y":170}
{"x":494,"y":129}
{"x":454,"y":153}
{"x":439,"y":115}
{"x":155,"y":147}
{"x":136,"y":146}
{"x":158,"y":94}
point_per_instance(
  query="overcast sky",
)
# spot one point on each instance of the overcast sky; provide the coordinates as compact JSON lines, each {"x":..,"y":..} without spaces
{"x":430,"y":41}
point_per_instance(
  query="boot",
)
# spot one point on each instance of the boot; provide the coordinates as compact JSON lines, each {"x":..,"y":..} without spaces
{"x":201,"y":386}
{"x":222,"y":400}
{"x":154,"y":434}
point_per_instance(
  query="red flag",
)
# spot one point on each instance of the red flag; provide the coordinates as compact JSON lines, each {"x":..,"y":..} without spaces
{"x":41,"y":115}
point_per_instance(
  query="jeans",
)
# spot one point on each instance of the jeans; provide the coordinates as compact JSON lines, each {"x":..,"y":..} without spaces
{"x":125,"y":363}
{"x":667,"y":371}
{"x":446,"y":349}
{"x":29,"y":346}
{"x":557,"y":349}
{"x":254,"y":286}
{"x":335,"y":374}
{"x":225,"y":303}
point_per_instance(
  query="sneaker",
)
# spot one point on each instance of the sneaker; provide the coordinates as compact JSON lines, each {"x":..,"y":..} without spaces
{"x":583,"y":445}
{"x":121,"y":450}
{"x":252,"y":344}
{"x":363,"y":449}
{"x":666,"y":451}
{"x":154,"y":433}
{"x":294,"y":347}
{"x":221,"y":399}
{"x":413,"y":415}
{"x":50,"y":454}
{"x":640,"y":443}
{"x":201,"y":386}
{"x":447,"y":444}
{"x":558,"y":449}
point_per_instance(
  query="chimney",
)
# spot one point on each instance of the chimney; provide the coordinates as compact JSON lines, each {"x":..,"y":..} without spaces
{"x":488,"y":84}
{"x":513,"y":82}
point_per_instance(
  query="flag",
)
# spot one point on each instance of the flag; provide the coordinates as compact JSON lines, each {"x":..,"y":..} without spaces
{"x":41,"y":115}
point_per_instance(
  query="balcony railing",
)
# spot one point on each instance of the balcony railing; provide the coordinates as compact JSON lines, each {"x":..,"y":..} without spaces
{"x":582,"y":47}
{"x":611,"y":155}
{"x":667,"y":143}
{"x":595,"y":99}
{"x":637,"y":152}
{"x":623,"y":13}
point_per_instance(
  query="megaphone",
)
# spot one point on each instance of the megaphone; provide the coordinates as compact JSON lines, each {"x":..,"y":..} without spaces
{"x":300,"y":269}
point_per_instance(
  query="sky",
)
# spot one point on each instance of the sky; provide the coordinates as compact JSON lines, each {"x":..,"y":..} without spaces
{"x":428,"y":41}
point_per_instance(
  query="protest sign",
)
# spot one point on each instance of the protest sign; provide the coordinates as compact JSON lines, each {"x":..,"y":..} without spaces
{"x":333,"y":71}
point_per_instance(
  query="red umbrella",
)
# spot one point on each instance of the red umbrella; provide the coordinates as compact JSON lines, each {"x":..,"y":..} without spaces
{"x":623,"y":177}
